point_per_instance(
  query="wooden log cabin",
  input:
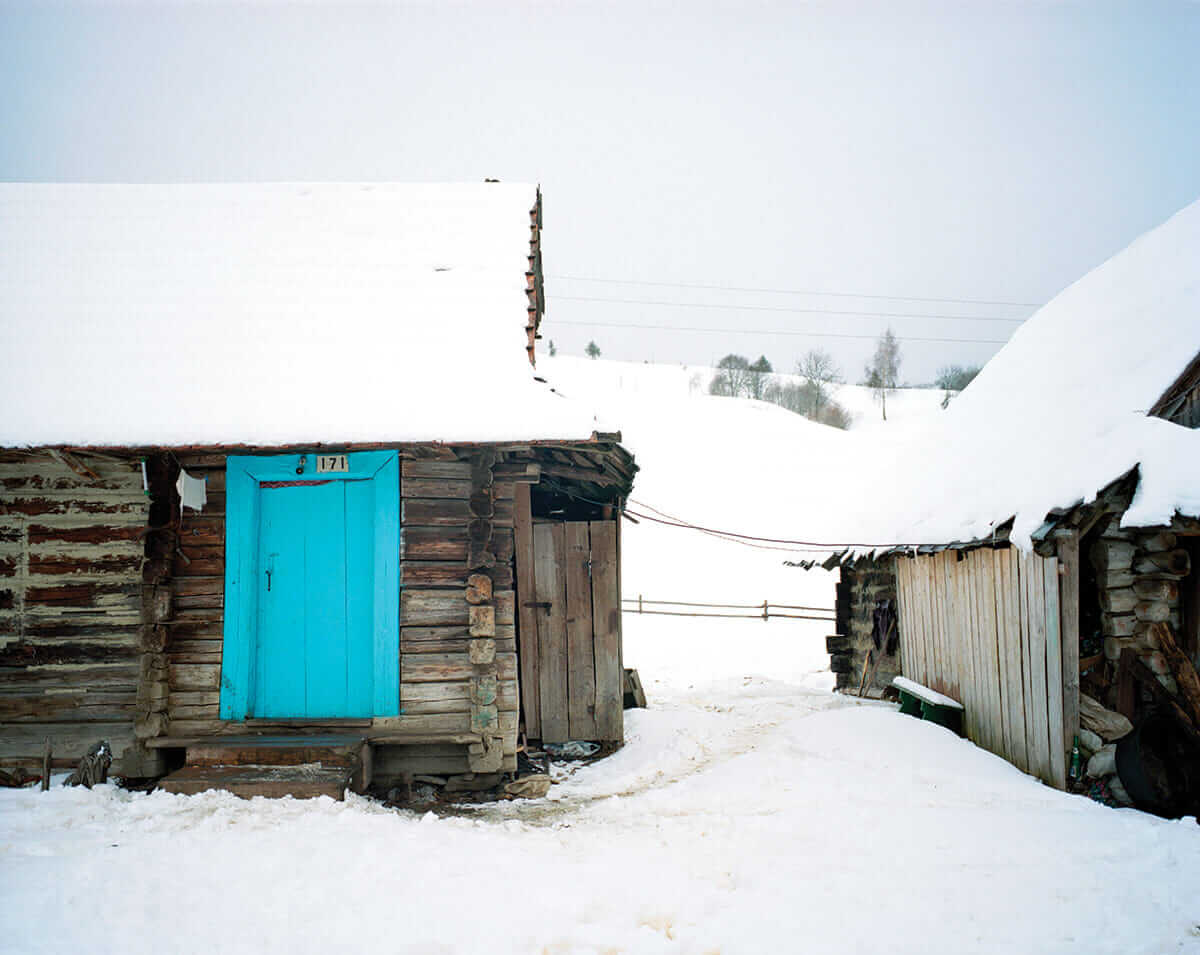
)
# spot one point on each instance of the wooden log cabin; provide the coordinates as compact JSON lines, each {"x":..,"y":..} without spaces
{"x":296,"y":495}
{"x":1055,"y":600}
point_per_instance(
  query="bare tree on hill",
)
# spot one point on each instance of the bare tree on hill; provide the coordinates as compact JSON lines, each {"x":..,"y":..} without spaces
{"x":954,"y":378}
{"x":819,"y":372}
{"x":883,"y":372}
{"x":736,"y":377}
{"x":732,"y":378}
{"x":757,"y":380}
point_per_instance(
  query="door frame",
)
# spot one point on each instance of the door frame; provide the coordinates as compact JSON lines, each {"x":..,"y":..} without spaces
{"x":244,"y":476}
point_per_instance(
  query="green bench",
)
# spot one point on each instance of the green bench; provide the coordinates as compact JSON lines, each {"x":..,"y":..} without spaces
{"x":926,"y":704}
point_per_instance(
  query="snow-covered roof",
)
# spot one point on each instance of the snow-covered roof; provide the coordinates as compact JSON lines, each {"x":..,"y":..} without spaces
{"x":1056,"y":416}
{"x":267,"y":314}
{"x":1061,"y":410}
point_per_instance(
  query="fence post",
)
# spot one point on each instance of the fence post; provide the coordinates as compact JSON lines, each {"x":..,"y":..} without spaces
{"x":766,"y":611}
{"x":639,"y":603}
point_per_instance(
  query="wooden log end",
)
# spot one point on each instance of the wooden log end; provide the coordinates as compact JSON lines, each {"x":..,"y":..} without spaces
{"x":482,"y":620}
{"x":479,"y":589}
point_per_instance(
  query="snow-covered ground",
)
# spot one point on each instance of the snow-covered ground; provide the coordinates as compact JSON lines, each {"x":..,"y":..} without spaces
{"x":750,"y":811}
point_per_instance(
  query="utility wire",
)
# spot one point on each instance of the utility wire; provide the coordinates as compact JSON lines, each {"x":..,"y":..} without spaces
{"x":670,"y":520}
{"x":785,"y":308}
{"x":784,"y":291}
{"x":795,"y":544}
{"x":784,"y":331}
{"x":675,"y":521}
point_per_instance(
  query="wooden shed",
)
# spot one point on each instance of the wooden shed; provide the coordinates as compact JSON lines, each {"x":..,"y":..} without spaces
{"x":279,"y":486}
{"x":1086,"y":602}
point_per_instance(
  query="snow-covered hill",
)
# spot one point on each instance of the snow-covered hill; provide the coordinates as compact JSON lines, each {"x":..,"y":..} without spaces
{"x":706,"y":460}
{"x":605,"y":381}
{"x":692,"y":450}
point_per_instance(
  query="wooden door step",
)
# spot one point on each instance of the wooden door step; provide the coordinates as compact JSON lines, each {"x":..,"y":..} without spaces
{"x":300,"y":782}
{"x":330,"y":751}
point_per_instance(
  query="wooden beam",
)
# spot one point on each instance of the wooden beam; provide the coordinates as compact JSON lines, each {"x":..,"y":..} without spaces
{"x":567,"y":473}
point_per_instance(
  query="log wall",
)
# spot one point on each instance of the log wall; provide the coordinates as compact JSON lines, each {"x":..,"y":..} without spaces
{"x":1143,"y":577}
{"x":862,"y":586}
{"x":458,"y":669}
{"x":112,"y":604}
{"x":77,"y":651}
{"x":458,"y":665}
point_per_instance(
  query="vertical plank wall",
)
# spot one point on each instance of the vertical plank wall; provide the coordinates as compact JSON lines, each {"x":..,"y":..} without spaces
{"x":985,"y":628}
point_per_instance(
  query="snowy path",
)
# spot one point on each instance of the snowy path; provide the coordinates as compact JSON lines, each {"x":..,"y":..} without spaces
{"x":758,"y":813}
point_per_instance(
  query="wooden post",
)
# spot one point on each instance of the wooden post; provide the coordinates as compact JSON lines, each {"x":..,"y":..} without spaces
{"x":862,"y":680}
{"x":606,"y":624}
{"x":1068,"y":609}
{"x":46,"y":766}
{"x":766,"y":612}
{"x":527,"y":631}
{"x":1056,"y":652}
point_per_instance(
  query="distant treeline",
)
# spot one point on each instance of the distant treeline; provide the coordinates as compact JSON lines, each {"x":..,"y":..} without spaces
{"x":812,"y":397}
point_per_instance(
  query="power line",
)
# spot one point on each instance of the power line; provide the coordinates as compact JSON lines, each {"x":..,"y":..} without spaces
{"x":785,"y":291}
{"x":783,"y":331}
{"x":785,"y":308}
{"x":734,"y":535}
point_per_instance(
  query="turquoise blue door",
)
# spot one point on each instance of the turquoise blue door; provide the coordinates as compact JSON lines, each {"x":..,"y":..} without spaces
{"x":312,"y":589}
{"x":314,"y":640}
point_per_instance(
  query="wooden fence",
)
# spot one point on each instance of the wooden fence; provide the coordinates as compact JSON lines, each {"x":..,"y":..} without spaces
{"x":984,"y":627}
{"x":763,"y":611}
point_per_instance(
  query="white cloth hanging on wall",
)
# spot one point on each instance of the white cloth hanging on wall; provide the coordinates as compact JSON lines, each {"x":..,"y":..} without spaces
{"x":193,"y":491}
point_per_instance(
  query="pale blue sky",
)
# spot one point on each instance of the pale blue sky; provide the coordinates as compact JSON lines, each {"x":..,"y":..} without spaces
{"x":992,"y":151}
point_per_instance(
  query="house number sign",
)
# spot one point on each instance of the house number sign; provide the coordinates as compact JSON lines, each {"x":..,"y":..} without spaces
{"x":331,"y":463}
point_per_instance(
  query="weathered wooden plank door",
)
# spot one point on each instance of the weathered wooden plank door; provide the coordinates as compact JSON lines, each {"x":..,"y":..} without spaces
{"x":581,"y":662}
{"x":571,"y":628}
{"x":550,"y":589}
